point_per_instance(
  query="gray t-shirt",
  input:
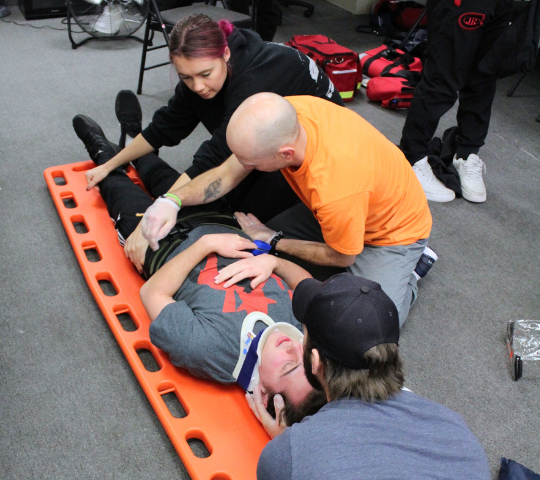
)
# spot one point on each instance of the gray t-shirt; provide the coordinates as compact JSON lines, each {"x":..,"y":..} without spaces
{"x":407,"y":437}
{"x":201,"y":331}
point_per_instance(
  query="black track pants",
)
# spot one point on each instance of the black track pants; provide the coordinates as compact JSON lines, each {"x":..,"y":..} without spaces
{"x":459,"y":37}
{"x":125,"y":200}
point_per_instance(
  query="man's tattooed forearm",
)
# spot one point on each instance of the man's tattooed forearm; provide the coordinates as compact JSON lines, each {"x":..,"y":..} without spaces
{"x":212,"y":191}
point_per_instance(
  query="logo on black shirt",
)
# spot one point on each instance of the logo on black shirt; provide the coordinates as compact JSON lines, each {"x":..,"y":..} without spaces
{"x":471,"y":21}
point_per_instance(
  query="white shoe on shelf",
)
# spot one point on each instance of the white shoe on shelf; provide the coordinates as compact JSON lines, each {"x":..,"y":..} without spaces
{"x":433,"y":187}
{"x":470,"y":175}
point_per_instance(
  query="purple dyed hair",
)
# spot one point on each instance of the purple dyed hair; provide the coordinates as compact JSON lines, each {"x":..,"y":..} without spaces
{"x":198,"y":36}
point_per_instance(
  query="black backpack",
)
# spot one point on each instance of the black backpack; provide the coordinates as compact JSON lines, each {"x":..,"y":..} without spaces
{"x":516,"y":48}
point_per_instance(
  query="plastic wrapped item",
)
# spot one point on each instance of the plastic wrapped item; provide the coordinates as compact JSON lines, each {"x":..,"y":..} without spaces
{"x":523,"y":341}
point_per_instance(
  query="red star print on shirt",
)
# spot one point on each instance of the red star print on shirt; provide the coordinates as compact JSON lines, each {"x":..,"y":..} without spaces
{"x":254,"y":301}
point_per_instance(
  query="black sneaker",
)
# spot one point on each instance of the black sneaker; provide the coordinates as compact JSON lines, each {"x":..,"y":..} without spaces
{"x":428,"y":258}
{"x":94,"y":139}
{"x":129,"y":114}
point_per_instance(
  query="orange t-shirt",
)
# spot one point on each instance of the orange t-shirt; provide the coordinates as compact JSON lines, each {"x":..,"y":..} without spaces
{"x":357,"y":183}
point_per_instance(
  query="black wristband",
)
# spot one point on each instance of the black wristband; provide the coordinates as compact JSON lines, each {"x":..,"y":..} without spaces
{"x":273,"y":242}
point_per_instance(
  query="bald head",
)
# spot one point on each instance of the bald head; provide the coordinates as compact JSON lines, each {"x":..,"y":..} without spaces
{"x":261,"y":126}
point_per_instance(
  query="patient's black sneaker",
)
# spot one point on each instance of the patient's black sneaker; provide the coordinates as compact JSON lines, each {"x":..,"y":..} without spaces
{"x":428,"y":258}
{"x":94,"y":139}
{"x":129,"y":114}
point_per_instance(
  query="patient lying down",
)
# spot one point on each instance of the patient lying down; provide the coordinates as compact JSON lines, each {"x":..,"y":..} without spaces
{"x":207,"y":326}
{"x":208,"y":329}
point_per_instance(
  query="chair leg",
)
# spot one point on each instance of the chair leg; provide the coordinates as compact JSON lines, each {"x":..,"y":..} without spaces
{"x":74,"y":44}
{"x":513,"y":88}
{"x":413,"y":29}
{"x":143,"y":56}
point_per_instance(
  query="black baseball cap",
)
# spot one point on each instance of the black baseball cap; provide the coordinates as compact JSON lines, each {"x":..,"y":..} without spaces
{"x":345,"y":316}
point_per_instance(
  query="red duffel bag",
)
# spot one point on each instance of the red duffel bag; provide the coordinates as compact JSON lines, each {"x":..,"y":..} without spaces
{"x":394,"y":92}
{"x":339,"y":63}
{"x":383,"y":60}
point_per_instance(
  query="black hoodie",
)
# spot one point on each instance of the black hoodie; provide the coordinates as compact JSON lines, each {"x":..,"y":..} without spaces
{"x":257,"y":66}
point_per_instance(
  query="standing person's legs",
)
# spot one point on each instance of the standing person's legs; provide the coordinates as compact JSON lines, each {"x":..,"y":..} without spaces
{"x":442,"y":77}
{"x":432,"y":99}
{"x":476,"y":96}
{"x":455,"y":36}
{"x":475,"y":100}
{"x":458,"y":38}
{"x":474,"y":113}
{"x":392,"y":267}
{"x":267,"y":16}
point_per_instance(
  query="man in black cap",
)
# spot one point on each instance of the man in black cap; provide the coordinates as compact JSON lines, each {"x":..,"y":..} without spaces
{"x":370,"y":427}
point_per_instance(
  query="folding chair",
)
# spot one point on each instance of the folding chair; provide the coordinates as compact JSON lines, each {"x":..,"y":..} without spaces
{"x":164,"y":22}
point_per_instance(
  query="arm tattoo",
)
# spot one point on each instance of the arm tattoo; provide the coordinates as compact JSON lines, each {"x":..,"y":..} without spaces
{"x":212,"y":190}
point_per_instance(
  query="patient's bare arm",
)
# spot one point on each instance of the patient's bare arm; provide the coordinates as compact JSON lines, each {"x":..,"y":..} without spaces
{"x":159,"y":290}
{"x":260,"y":268}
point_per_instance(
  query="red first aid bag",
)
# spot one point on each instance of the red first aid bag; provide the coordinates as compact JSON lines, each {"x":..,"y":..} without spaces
{"x":339,"y":63}
{"x":394,"y":92}
{"x":383,"y":60}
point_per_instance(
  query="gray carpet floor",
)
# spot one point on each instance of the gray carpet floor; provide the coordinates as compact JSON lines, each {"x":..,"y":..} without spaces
{"x":70,"y":407}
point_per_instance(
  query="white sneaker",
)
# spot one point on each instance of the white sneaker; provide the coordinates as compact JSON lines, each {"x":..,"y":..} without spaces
{"x":433,"y":187}
{"x":470,"y":176}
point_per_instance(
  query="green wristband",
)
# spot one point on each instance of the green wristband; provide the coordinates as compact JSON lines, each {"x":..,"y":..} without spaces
{"x":172,"y":195}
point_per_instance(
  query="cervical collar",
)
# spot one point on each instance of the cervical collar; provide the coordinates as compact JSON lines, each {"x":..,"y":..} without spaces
{"x":246,"y":372}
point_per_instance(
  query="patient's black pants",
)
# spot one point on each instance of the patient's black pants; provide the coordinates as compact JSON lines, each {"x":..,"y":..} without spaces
{"x":263,"y":194}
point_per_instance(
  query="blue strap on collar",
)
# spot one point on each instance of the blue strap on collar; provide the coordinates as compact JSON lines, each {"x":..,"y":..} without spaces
{"x":246,"y":372}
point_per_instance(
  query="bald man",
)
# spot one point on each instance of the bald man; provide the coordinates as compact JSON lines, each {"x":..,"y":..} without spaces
{"x":363,"y":207}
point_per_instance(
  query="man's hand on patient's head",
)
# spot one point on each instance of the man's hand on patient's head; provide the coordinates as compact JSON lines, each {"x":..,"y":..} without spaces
{"x":258,"y":268}
{"x":273,"y":426}
{"x":229,"y":245}
{"x":253,"y":227}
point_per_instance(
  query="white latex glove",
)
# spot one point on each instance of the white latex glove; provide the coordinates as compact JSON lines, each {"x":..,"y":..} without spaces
{"x":159,"y":220}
